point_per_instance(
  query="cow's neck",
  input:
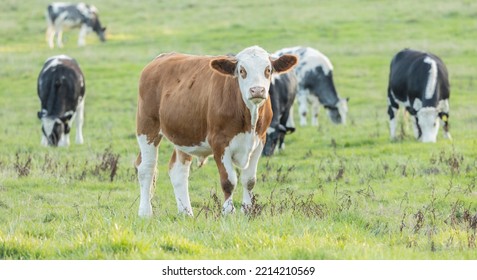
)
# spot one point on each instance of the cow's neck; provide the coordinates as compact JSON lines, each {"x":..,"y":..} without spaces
{"x":254,"y":117}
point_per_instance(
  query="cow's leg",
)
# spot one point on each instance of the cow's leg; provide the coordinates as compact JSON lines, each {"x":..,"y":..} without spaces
{"x":59,"y":36}
{"x":315,"y":108}
{"x":249,"y":178}
{"x":79,"y":119}
{"x":179,"y":167}
{"x":228,"y":180}
{"x":302,"y":106}
{"x":444,"y":116}
{"x":146,"y":169}
{"x":82,"y":35}
{"x":393,"y":107}
{"x":50,"y":36}
{"x":291,"y":120}
{"x":415,"y":126}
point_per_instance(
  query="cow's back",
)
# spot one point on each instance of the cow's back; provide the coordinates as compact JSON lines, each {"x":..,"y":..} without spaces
{"x":409,"y":76}
{"x":60,"y":85}
{"x":176,"y":89}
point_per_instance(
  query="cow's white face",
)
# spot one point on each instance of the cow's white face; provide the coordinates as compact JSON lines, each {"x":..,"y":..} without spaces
{"x":428,"y":124}
{"x":253,"y":69}
{"x":54,"y":132}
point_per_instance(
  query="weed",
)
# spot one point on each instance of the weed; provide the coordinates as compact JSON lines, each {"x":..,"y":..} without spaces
{"x":22,"y":168}
{"x":109,"y":163}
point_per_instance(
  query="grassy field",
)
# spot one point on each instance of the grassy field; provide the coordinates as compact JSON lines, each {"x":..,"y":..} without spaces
{"x":336,"y":192}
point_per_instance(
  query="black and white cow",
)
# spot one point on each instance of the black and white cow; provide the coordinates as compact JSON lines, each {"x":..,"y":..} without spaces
{"x":315,"y":85}
{"x":282,"y":95}
{"x":81,"y":15}
{"x":61,"y":89}
{"x":419,"y":81}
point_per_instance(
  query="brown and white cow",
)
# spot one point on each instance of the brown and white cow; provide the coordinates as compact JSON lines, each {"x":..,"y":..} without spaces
{"x":205,"y":106}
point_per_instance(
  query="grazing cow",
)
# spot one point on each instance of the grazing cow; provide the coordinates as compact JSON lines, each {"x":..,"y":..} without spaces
{"x":205,"y":106}
{"x":282,"y":95}
{"x":315,"y":85}
{"x":60,"y":15}
{"x":61,"y":89}
{"x":419,"y":81}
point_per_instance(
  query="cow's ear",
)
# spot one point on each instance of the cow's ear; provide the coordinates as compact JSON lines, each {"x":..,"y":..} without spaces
{"x":284,"y":63}
{"x":103,"y":29}
{"x":225,"y":66}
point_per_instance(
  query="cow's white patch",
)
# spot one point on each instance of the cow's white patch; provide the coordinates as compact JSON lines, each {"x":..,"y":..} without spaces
{"x":64,"y":140}
{"x":432,"y":79}
{"x":427,"y":118}
{"x":179,"y":174}
{"x":313,"y":59}
{"x":146,"y":173}
{"x":417,"y":104}
{"x":48,"y":125}
{"x":79,"y":119}
{"x":270,"y":130}
{"x":55,"y":61}
{"x":202,"y":150}
{"x":240,"y":149}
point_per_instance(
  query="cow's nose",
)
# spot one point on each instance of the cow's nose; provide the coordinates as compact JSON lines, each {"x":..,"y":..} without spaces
{"x":257,"y":93}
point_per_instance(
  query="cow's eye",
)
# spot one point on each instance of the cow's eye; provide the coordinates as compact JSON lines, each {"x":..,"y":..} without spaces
{"x":268,"y":72}
{"x":243,"y":73}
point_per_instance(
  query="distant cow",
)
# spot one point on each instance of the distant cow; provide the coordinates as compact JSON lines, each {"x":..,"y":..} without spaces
{"x":61,"y":89}
{"x":81,"y":15}
{"x":419,"y":82}
{"x":282,"y":95}
{"x":315,"y":85}
{"x":205,"y":106}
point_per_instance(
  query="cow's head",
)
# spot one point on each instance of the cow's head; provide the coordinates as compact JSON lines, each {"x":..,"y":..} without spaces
{"x":95,"y":24}
{"x":427,"y":124}
{"x":275,"y":135}
{"x":55,"y":130}
{"x":338,"y":113}
{"x":253,"y":68}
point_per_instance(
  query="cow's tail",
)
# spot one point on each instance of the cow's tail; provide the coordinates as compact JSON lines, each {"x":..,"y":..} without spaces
{"x":58,"y":89}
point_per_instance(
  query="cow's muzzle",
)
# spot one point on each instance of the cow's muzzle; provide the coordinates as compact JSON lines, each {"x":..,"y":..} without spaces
{"x":257,"y":94}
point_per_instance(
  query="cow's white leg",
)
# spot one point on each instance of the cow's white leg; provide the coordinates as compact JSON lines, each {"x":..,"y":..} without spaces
{"x":302,"y":106}
{"x":59,"y":36}
{"x":146,"y":169}
{"x":79,"y":120}
{"x":315,"y":108}
{"x":179,"y":167}
{"x":393,"y":122}
{"x":291,"y":118}
{"x":249,"y":178}
{"x":44,"y":140}
{"x":64,"y":140}
{"x":415,"y":126}
{"x":82,"y":35}
{"x":50,"y":36}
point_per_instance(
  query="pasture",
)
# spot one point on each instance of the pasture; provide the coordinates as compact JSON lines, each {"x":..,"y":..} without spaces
{"x":336,"y":192}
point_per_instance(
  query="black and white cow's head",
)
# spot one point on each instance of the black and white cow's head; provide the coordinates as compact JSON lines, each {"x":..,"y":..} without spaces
{"x":61,"y":90}
{"x":317,"y":77}
{"x":282,"y":95}
{"x":94,"y":23}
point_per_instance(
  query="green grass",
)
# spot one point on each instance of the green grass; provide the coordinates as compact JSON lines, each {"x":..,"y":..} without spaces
{"x":336,"y":192}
